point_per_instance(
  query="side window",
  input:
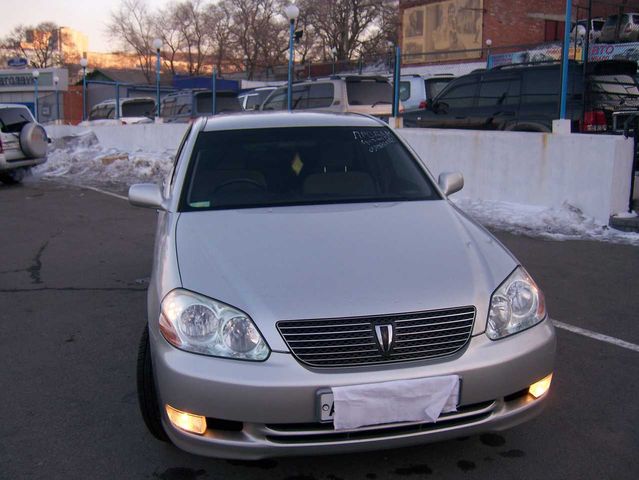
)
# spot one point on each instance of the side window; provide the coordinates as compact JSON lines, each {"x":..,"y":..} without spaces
{"x":321,"y":95}
{"x":500,"y":92}
{"x":252,"y":101}
{"x":110,"y":112}
{"x":460,"y":96}
{"x":404,"y":91}
{"x":300,"y":97}
{"x":541,"y":86}
{"x":277,"y":101}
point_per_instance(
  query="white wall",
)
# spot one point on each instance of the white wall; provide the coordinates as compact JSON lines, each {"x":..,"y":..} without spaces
{"x":590,"y":172}
{"x":149,"y":137}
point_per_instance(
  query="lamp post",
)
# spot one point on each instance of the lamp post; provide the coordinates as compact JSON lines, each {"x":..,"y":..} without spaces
{"x":334,"y":54}
{"x":56,"y":81}
{"x":83,"y":63}
{"x":246,"y":66}
{"x":489,"y":63}
{"x":35,"y":74}
{"x":157,"y":45}
{"x":291,"y":12}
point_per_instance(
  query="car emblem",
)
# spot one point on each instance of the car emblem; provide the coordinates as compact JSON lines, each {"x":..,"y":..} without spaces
{"x":385,"y":337}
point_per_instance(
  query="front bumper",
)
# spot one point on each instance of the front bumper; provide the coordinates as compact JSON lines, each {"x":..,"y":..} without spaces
{"x":276,"y":400}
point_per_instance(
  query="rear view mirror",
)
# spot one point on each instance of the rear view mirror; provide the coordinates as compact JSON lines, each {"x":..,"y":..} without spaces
{"x":147,"y":195}
{"x":451,"y":182}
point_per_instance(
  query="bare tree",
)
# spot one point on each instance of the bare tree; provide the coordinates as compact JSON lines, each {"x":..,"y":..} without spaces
{"x":167,"y":29}
{"x":219,"y":26}
{"x":40,"y":45}
{"x":190,"y":19}
{"x":346,"y":24}
{"x":132,"y":26}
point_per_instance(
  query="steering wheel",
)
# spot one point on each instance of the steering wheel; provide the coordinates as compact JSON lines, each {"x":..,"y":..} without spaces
{"x":250,"y":181}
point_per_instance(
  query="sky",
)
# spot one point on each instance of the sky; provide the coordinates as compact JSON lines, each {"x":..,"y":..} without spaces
{"x":87,"y":16}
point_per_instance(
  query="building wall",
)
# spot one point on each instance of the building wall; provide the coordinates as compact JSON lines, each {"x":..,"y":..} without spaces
{"x":519,"y":22}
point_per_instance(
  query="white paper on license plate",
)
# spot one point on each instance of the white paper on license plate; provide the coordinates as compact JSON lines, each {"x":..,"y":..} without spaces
{"x":421,"y":399}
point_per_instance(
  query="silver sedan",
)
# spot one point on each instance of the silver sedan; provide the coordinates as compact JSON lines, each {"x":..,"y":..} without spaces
{"x":314,"y":291}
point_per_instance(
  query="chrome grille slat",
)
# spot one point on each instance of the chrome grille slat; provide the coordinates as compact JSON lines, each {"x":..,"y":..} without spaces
{"x":328,"y":333}
{"x":342,"y":343}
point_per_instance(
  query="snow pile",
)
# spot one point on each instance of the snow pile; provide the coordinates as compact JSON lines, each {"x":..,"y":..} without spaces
{"x":566,"y":223}
{"x":81,"y":160}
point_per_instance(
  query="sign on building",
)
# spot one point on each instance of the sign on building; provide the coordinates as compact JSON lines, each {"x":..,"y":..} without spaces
{"x":451,"y":27}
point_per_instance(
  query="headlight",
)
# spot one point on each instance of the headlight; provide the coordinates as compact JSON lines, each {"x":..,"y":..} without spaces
{"x":199,"y":324}
{"x":516,"y":305}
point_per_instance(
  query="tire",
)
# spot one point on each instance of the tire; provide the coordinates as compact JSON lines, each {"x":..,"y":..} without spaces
{"x":147,"y":395}
{"x":33,"y":141}
{"x":13,"y":177}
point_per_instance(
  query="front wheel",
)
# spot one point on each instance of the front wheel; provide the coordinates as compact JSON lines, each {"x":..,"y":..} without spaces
{"x":147,"y":395}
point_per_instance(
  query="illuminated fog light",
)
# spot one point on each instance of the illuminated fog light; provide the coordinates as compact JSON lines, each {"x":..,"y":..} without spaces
{"x":541,"y":387}
{"x":186,"y":421}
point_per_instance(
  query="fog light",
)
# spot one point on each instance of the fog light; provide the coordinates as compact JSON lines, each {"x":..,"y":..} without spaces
{"x":186,"y":421}
{"x":541,"y":387}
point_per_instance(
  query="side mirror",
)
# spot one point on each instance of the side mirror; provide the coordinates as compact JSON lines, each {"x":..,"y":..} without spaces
{"x":451,"y":182}
{"x":147,"y":195}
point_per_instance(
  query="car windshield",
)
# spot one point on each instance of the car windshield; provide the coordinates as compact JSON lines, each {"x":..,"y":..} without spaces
{"x":144,"y":108}
{"x":301,"y":166}
{"x":369,"y":93}
{"x":13,"y":119}
{"x":597,"y":25}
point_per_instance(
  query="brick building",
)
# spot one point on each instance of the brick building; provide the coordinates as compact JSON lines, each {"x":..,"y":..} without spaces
{"x":456,"y":25}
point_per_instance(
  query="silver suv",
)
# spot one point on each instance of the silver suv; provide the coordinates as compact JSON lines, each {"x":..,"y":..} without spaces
{"x":620,"y":29}
{"x":23,"y":142}
{"x":340,"y":94}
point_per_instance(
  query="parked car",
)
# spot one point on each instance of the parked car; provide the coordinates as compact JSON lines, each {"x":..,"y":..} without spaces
{"x":253,"y":99}
{"x":313,"y":291}
{"x":350,"y":93}
{"x":23,"y":142}
{"x":526,"y":98}
{"x":579,"y":30}
{"x":133,"y":110}
{"x":624,"y":28}
{"x":187,"y":105}
{"x":415,"y":91}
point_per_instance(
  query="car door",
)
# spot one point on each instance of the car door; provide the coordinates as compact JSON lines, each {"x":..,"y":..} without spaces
{"x":497,"y":102}
{"x":451,"y":109}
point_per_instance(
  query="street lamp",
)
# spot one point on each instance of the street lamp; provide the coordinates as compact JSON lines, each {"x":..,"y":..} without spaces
{"x":245,"y":59}
{"x":56,"y":81}
{"x":157,"y":44}
{"x":36,"y":74}
{"x":489,"y":43}
{"x":334,"y":53}
{"x":83,"y":63}
{"x":291,"y":12}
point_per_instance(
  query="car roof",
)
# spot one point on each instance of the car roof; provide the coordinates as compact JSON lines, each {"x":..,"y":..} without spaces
{"x":13,"y":105}
{"x":245,"y":121}
{"x":111,"y":101}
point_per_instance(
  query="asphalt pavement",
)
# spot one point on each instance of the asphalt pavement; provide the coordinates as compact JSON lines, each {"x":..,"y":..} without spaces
{"x":74,"y":264}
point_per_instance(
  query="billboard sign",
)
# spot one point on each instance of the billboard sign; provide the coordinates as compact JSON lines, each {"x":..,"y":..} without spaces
{"x":17,"y":62}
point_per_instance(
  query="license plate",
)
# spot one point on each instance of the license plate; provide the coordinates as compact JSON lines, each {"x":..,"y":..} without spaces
{"x":326,"y":407}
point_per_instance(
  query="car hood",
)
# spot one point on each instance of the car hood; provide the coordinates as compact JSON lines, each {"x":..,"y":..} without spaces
{"x":331,"y":261}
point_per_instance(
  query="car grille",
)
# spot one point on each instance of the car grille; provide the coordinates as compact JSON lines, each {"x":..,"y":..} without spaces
{"x":353,"y":341}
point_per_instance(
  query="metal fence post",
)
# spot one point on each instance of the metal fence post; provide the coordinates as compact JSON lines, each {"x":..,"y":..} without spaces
{"x":396,"y":79}
{"x":117,"y":100}
{"x":564,"y":61}
{"x":214,"y":92}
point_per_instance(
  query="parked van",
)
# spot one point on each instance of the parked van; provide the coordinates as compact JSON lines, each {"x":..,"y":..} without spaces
{"x":372,"y":95}
{"x":186,"y":105}
{"x":133,"y":110}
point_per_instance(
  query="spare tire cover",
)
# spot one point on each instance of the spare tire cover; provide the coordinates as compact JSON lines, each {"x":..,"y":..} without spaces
{"x":33,"y":140}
